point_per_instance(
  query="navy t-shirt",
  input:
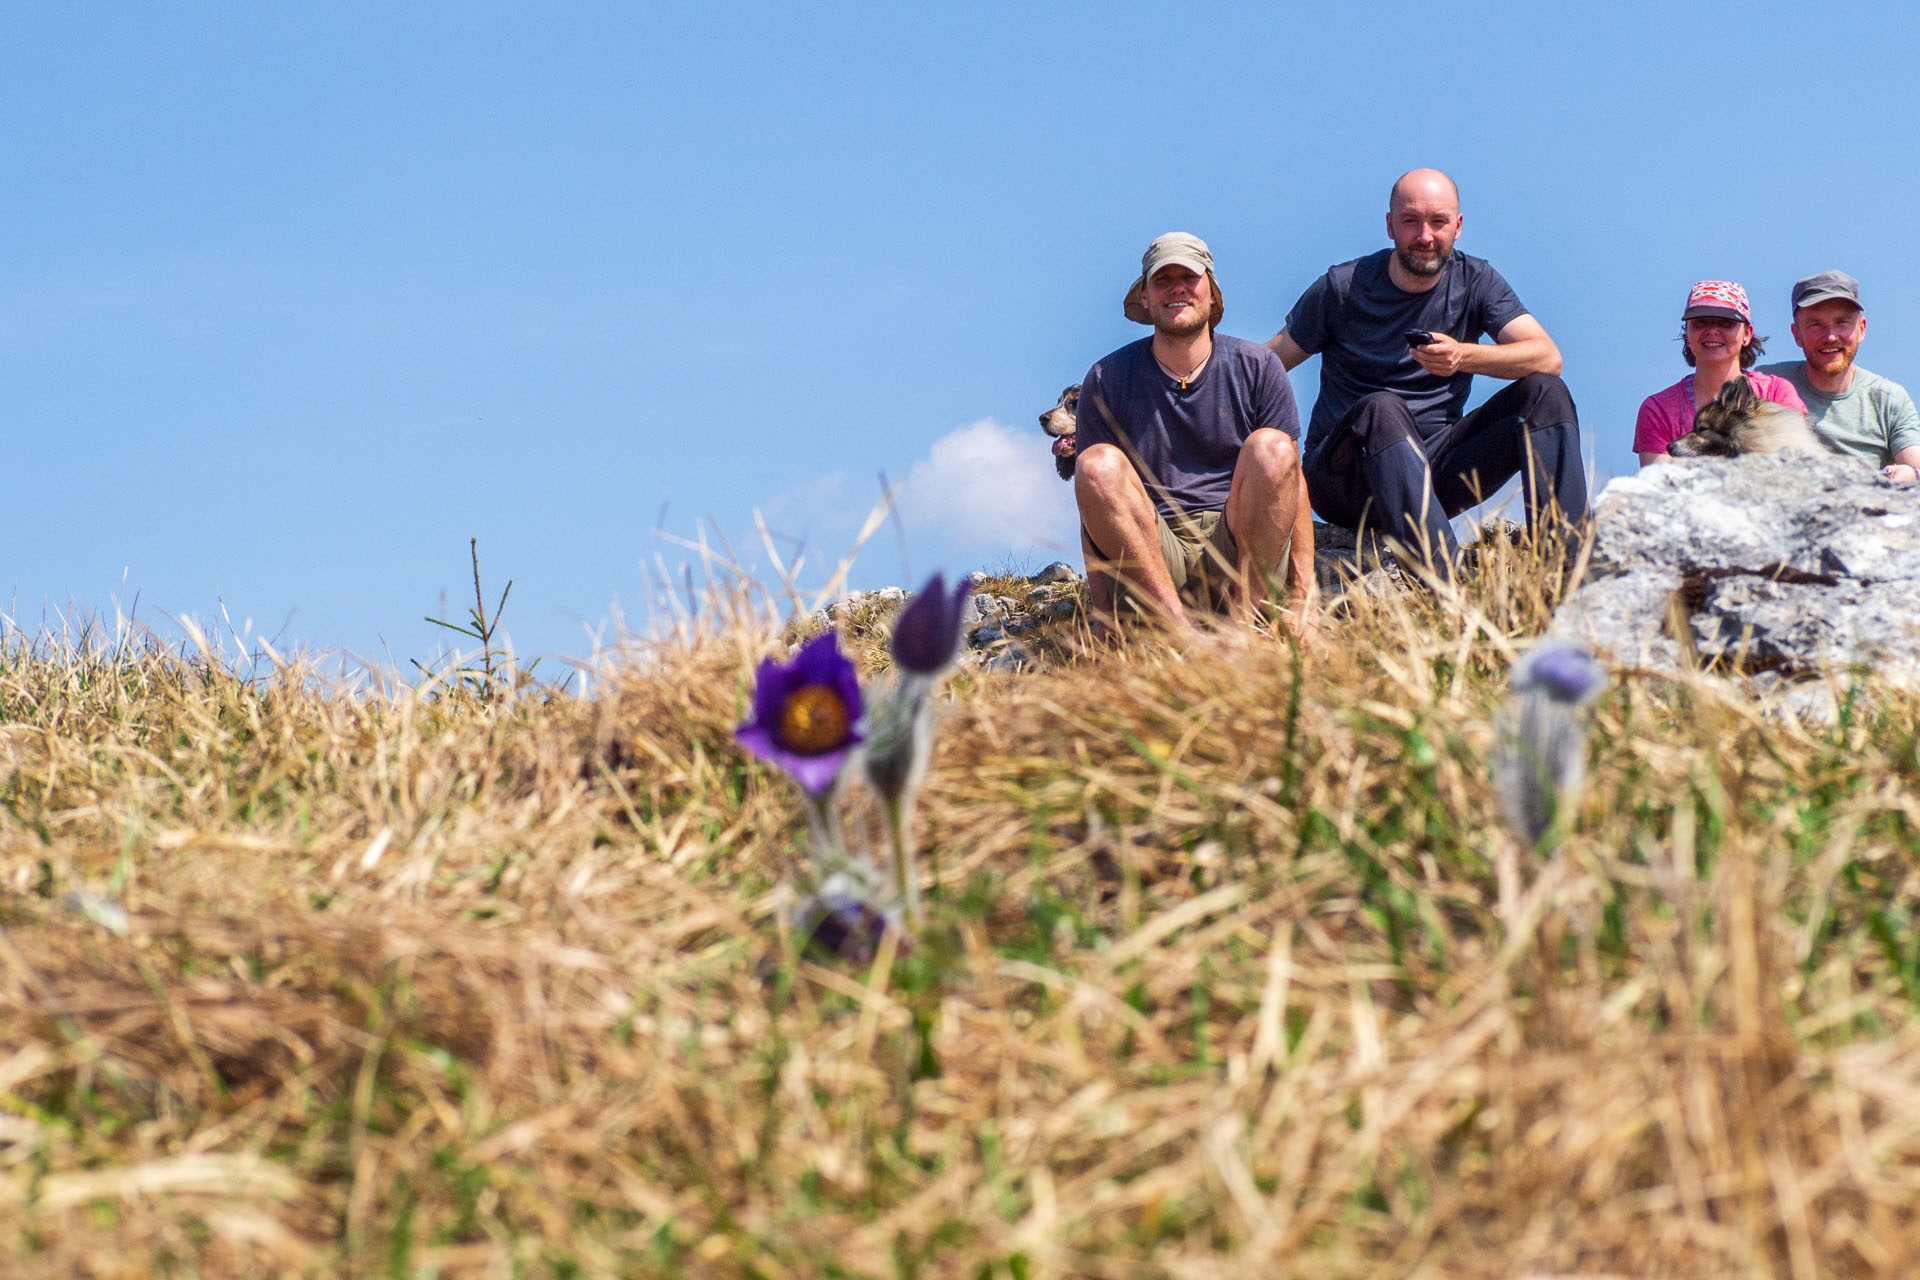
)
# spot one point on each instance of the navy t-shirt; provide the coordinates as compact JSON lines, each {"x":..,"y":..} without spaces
{"x":1355,"y":318}
{"x":1185,"y":442}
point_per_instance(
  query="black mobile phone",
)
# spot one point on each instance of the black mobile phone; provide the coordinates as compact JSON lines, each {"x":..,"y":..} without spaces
{"x":1418,"y":337}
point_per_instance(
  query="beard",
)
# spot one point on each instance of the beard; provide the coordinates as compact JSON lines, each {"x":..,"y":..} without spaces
{"x":1423,"y":266}
{"x":1832,"y":363}
{"x":1188,"y":322}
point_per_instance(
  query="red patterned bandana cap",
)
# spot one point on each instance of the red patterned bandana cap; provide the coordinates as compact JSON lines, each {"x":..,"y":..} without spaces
{"x":1718,"y":298}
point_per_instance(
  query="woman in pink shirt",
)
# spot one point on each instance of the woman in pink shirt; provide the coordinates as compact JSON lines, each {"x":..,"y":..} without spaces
{"x":1717,"y":328}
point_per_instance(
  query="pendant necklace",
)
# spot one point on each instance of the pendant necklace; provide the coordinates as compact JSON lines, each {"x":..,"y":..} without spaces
{"x":1183,"y":378}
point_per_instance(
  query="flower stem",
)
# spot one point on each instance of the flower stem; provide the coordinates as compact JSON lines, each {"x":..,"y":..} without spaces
{"x":898,"y":816}
{"x":823,"y":825}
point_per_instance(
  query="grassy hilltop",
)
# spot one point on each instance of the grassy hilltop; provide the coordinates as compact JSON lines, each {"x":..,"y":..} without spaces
{"x":1232,"y":970}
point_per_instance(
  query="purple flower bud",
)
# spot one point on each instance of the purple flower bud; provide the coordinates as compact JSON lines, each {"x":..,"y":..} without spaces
{"x":839,"y":924}
{"x":927,"y":634}
{"x":1561,"y":669}
{"x":1542,"y":756}
{"x":806,"y":713}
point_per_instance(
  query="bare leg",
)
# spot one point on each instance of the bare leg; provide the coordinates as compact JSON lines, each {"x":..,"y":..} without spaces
{"x":1118,"y":517}
{"x":1303,"y":582}
{"x":1270,"y":519}
{"x":1099,"y":591}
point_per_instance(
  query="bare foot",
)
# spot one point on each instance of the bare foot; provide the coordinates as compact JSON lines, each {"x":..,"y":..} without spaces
{"x":1303,"y":624}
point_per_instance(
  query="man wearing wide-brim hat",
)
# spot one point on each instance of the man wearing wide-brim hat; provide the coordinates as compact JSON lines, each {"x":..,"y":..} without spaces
{"x":1856,"y":409}
{"x":1188,"y":475}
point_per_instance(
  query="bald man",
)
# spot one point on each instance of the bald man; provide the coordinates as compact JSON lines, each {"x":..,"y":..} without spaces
{"x":1398,"y":333}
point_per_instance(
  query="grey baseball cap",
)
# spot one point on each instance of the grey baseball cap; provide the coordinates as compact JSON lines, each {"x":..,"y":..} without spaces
{"x":1826,"y":285}
{"x":1174,"y":249}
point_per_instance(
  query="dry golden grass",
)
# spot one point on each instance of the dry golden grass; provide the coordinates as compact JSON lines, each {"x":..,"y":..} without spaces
{"x":1232,"y":971}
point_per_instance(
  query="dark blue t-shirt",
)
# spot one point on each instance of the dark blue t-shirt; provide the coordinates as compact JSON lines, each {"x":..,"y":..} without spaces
{"x":1185,"y":442}
{"x":1355,"y":318}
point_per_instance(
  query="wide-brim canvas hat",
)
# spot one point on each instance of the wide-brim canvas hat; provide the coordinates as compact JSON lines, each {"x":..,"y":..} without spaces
{"x":1722,"y":298}
{"x":1174,"y":249}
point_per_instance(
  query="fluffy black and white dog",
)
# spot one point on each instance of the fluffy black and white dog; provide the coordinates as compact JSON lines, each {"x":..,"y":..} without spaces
{"x":1059,"y":422}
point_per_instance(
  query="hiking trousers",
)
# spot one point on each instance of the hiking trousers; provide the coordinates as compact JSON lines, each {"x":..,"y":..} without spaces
{"x":1374,"y":467}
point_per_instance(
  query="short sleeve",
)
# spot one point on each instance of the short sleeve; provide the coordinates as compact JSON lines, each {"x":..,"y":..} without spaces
{"x":1307,"y":322}
{"x":1498,"y":305}
{"x":1274,"y":403}
{"x":1652,"y":432}
{"x":1903,"y":431}
{"x":1091,"y":418}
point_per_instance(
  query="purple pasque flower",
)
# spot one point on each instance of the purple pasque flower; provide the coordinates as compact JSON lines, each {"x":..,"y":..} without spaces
{"x":927,"y":634}
{"x":806,"y":713}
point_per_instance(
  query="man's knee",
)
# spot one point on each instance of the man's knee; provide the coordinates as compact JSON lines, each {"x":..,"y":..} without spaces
{"x":1099,"y":469}
{"x":1272,"y":454}
{"x":1548,"y":402}
{"x":1381,"y":420}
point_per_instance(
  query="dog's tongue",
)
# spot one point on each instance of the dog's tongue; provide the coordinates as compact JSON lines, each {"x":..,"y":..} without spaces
{"x":1062,"y":446}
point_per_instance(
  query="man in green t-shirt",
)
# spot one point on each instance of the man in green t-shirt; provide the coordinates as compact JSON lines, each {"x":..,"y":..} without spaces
{"x":1859,"y":411}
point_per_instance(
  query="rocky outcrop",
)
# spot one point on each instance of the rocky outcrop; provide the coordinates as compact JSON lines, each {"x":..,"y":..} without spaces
{"x":1000,"y":628}
{"x":1350,"y":560}
{"x":1793,"y":564}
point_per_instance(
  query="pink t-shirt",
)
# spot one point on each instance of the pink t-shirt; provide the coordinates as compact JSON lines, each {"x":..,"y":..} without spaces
{"x":1667,"y":415}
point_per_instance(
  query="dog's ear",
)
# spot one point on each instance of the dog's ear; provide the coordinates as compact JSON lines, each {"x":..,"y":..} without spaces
{"x":1739,"y":395}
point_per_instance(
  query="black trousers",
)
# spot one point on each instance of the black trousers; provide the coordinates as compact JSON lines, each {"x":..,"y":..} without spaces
{"x":1375,"y":468}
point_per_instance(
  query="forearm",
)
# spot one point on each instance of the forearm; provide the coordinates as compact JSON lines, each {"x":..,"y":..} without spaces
{"x":1512,"y":360}
{"x":1290,"y":353}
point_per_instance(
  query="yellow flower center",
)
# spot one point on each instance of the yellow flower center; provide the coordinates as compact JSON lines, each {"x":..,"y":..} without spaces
{"x":813,"y":720}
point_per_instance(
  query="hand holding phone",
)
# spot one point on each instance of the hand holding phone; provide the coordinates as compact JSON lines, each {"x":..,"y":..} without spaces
{"x":1419,"y":337}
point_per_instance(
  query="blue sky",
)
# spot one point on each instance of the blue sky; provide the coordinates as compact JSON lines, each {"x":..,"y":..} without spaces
{"x":294,"y":300}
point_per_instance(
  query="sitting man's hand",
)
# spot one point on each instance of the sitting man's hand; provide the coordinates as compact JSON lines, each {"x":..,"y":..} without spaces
{"x":1900,"y":473}
{"x":1441,"y":357}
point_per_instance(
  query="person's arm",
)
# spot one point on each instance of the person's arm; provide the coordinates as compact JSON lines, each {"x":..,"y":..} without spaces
{"x":1305,"y":332}
{"x":1903,"y":439}
{"x":1283,"y":345}
{"x":1651,"y":432}
{"x":1520,"y":348}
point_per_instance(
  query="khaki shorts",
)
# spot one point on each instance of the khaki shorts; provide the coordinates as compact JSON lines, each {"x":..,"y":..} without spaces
{"x":1202,"y":558}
